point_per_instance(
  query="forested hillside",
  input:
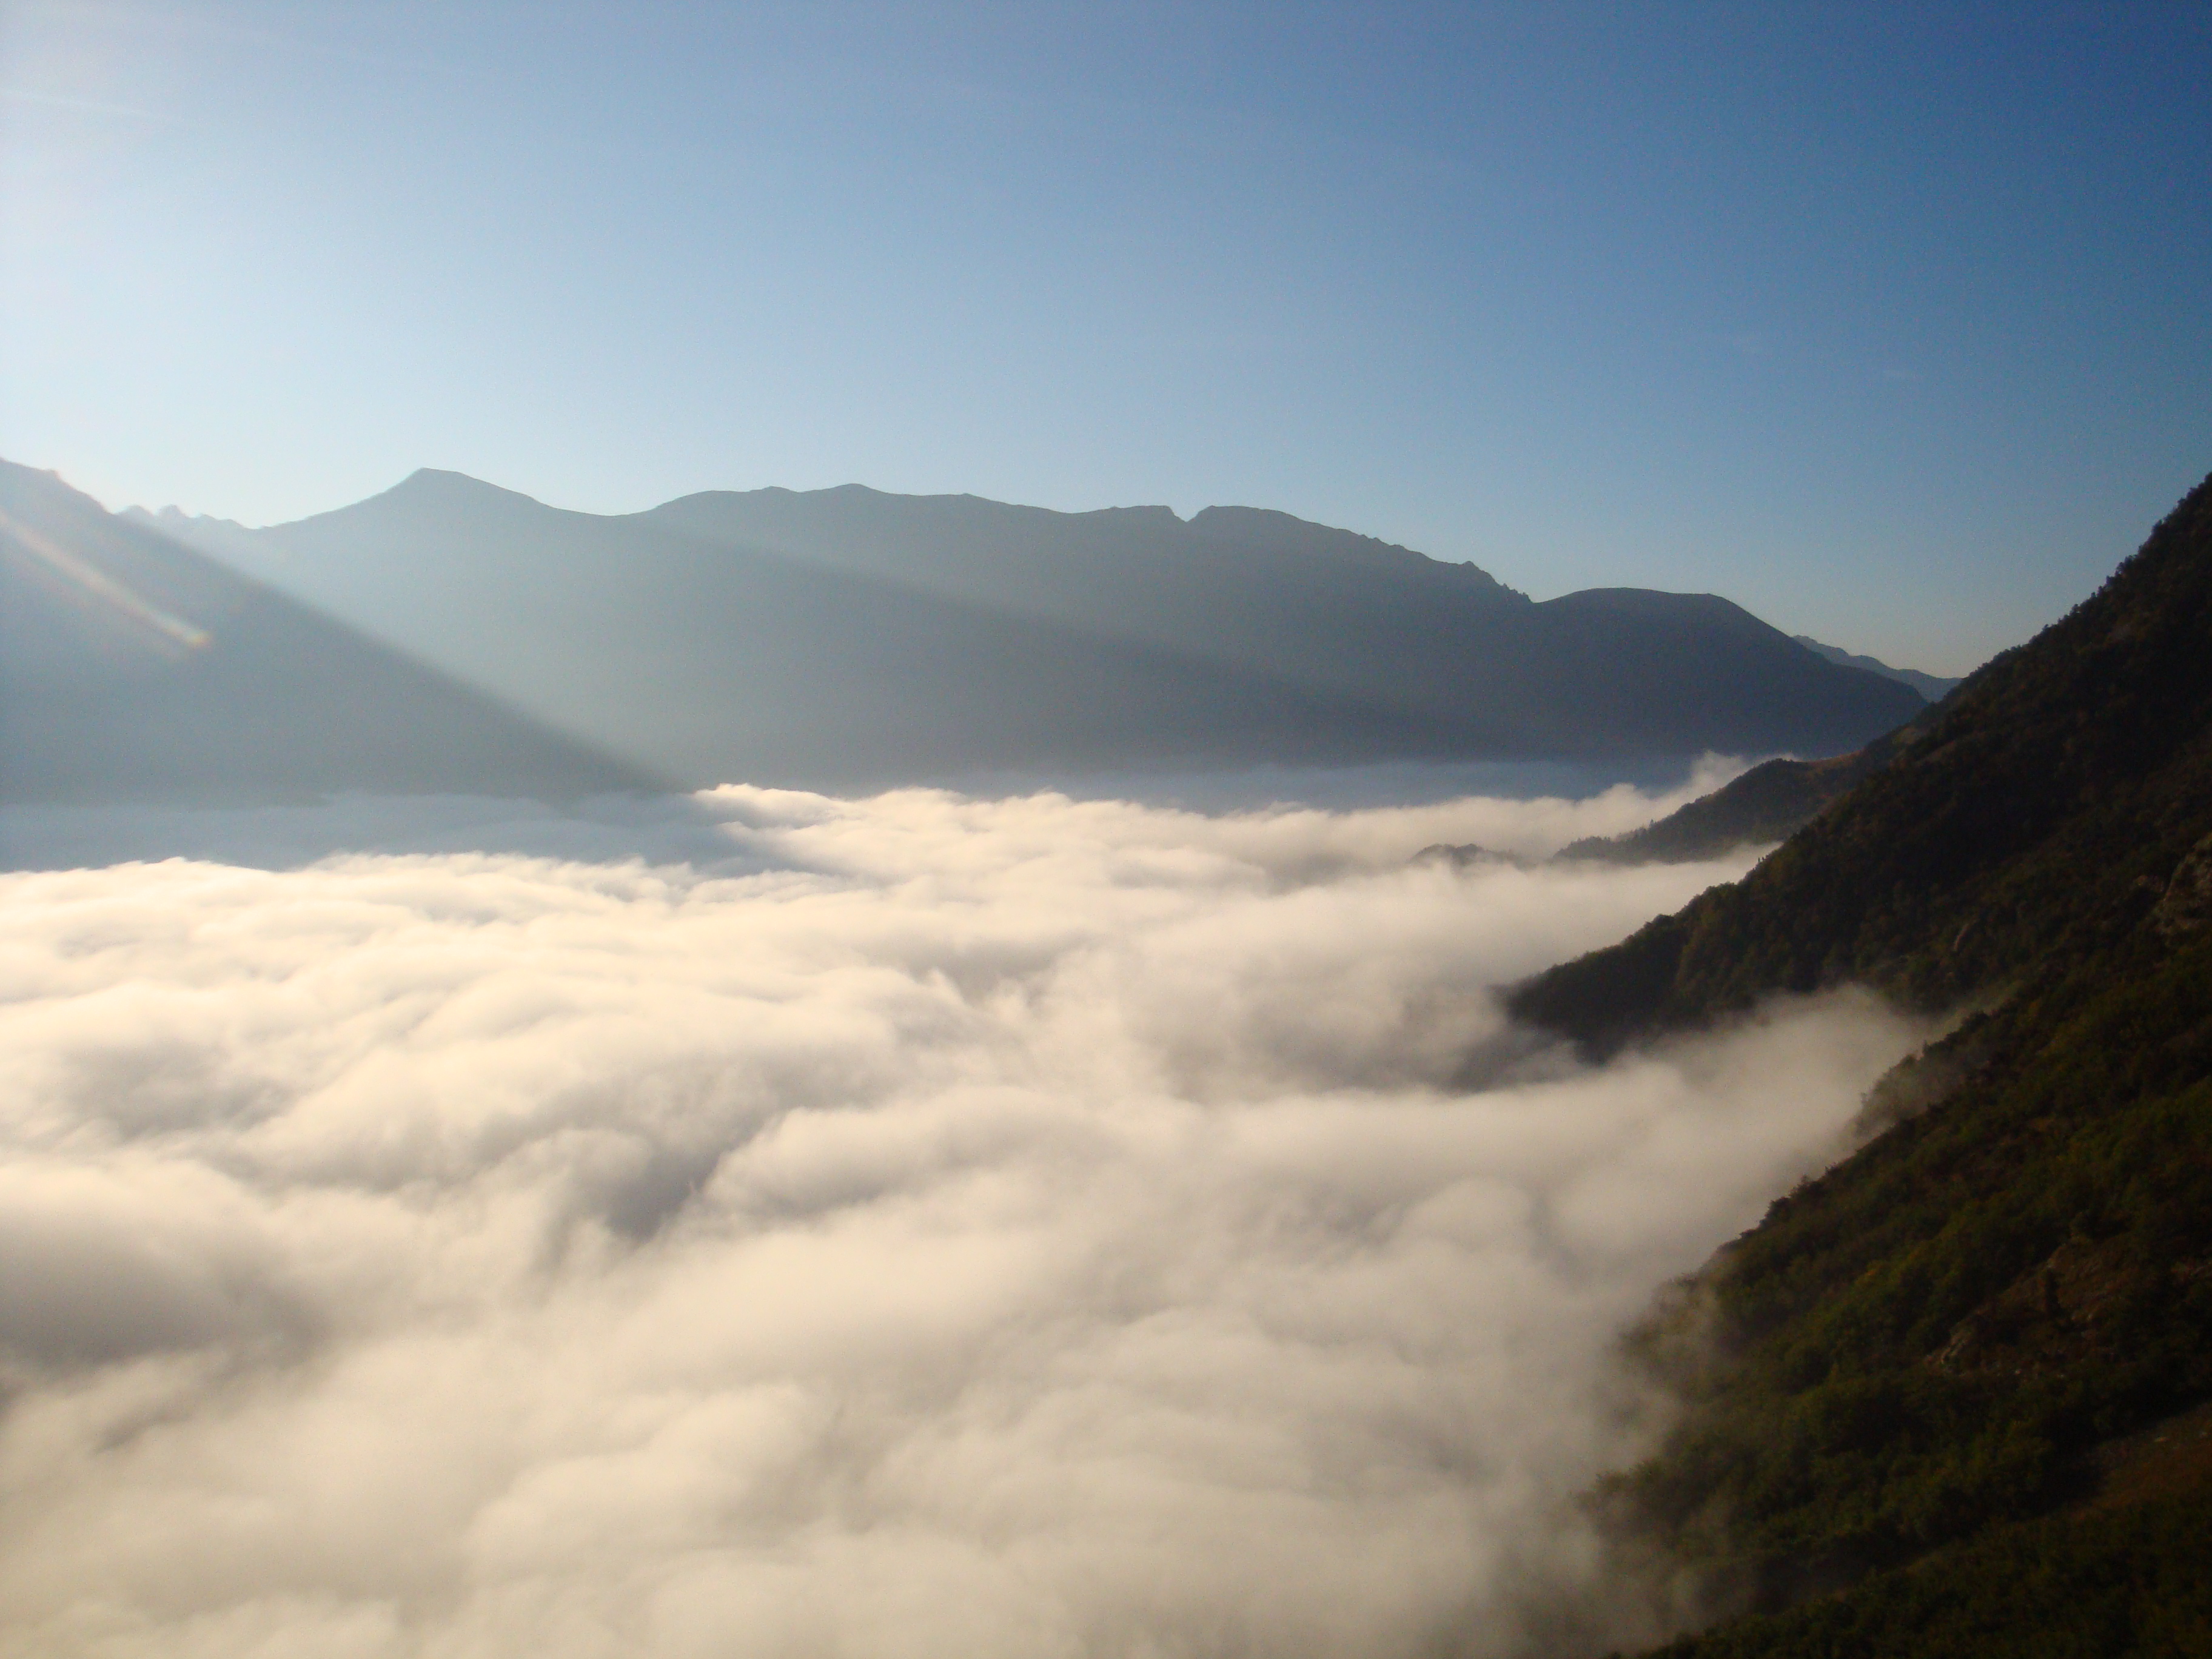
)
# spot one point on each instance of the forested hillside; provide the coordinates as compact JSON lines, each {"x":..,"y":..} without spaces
{"x":1925,"y":1366}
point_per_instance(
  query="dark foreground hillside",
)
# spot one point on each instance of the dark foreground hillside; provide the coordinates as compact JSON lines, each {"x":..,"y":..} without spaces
{"x":1913,"y":1376}
{"x":2136,"y":1579}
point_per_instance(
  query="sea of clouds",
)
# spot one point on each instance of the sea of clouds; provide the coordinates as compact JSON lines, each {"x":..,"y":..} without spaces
{"x":921,"y":1227}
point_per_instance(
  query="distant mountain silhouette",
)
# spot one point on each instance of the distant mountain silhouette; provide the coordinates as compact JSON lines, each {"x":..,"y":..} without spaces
{"x":133,"y":668}
{"x":845,"y":636}
{"x":1770,"y":803}
{"x":1934,"y":687}
{"x":1773,"y":800}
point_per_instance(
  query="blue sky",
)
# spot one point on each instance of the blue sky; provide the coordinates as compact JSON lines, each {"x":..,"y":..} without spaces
{"x":1889,"y":323}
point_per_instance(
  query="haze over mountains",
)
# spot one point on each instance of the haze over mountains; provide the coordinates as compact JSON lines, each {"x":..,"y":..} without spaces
{"x":133,"y":668}
{"x":449,"y":635}
{"x":1934,"y":687}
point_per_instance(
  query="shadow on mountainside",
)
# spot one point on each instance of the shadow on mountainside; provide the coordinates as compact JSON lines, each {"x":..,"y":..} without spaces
{"x":845,"y":638}
{"x":135,"y":669}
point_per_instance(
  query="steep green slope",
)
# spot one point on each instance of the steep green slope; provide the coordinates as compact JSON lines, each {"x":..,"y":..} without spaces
{"x":1930,"y":1340}
{"x":2133,"y":1581}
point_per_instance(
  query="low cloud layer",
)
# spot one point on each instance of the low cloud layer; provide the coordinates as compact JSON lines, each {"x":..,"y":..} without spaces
{"x":928,"y":1227}
{"x":1522,"y":806}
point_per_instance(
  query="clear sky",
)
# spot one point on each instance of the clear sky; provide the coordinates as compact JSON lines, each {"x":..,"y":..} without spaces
{"x":1892,"y":323}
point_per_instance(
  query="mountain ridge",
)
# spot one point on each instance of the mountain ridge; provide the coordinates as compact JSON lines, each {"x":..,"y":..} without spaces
{"x":1934,"y":687}
{"x":1114,"y":638}
{"x":134,"y":668}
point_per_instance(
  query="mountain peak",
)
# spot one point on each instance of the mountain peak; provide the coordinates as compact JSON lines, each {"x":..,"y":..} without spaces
{"x":429,"y":491}
{"x":45,"y":483}
{"x":834,"y":627}
{"x":431,"y":482}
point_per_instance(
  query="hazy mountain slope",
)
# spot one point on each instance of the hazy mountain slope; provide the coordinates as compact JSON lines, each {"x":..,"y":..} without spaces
{"x":1933,"y":1338}
{"x":1264,"y":591}
{"x":1614,"y":671}
{"x":714,"y":663}
{"x":1769,"y":803}
{"x":773,"y":630}
{"x":132,"y":668}
{"x":1934,"y":687}
{"x":1774,"y":799}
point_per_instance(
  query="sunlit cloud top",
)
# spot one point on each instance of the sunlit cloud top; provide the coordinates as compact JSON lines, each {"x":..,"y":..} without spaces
{"x":943,"y":1227}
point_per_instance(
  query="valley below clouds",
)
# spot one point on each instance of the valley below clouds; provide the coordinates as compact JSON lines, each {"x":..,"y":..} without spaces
{"x":774,"y":1225}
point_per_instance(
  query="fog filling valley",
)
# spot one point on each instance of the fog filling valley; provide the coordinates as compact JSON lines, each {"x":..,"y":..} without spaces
{"x":896,"y":1228}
